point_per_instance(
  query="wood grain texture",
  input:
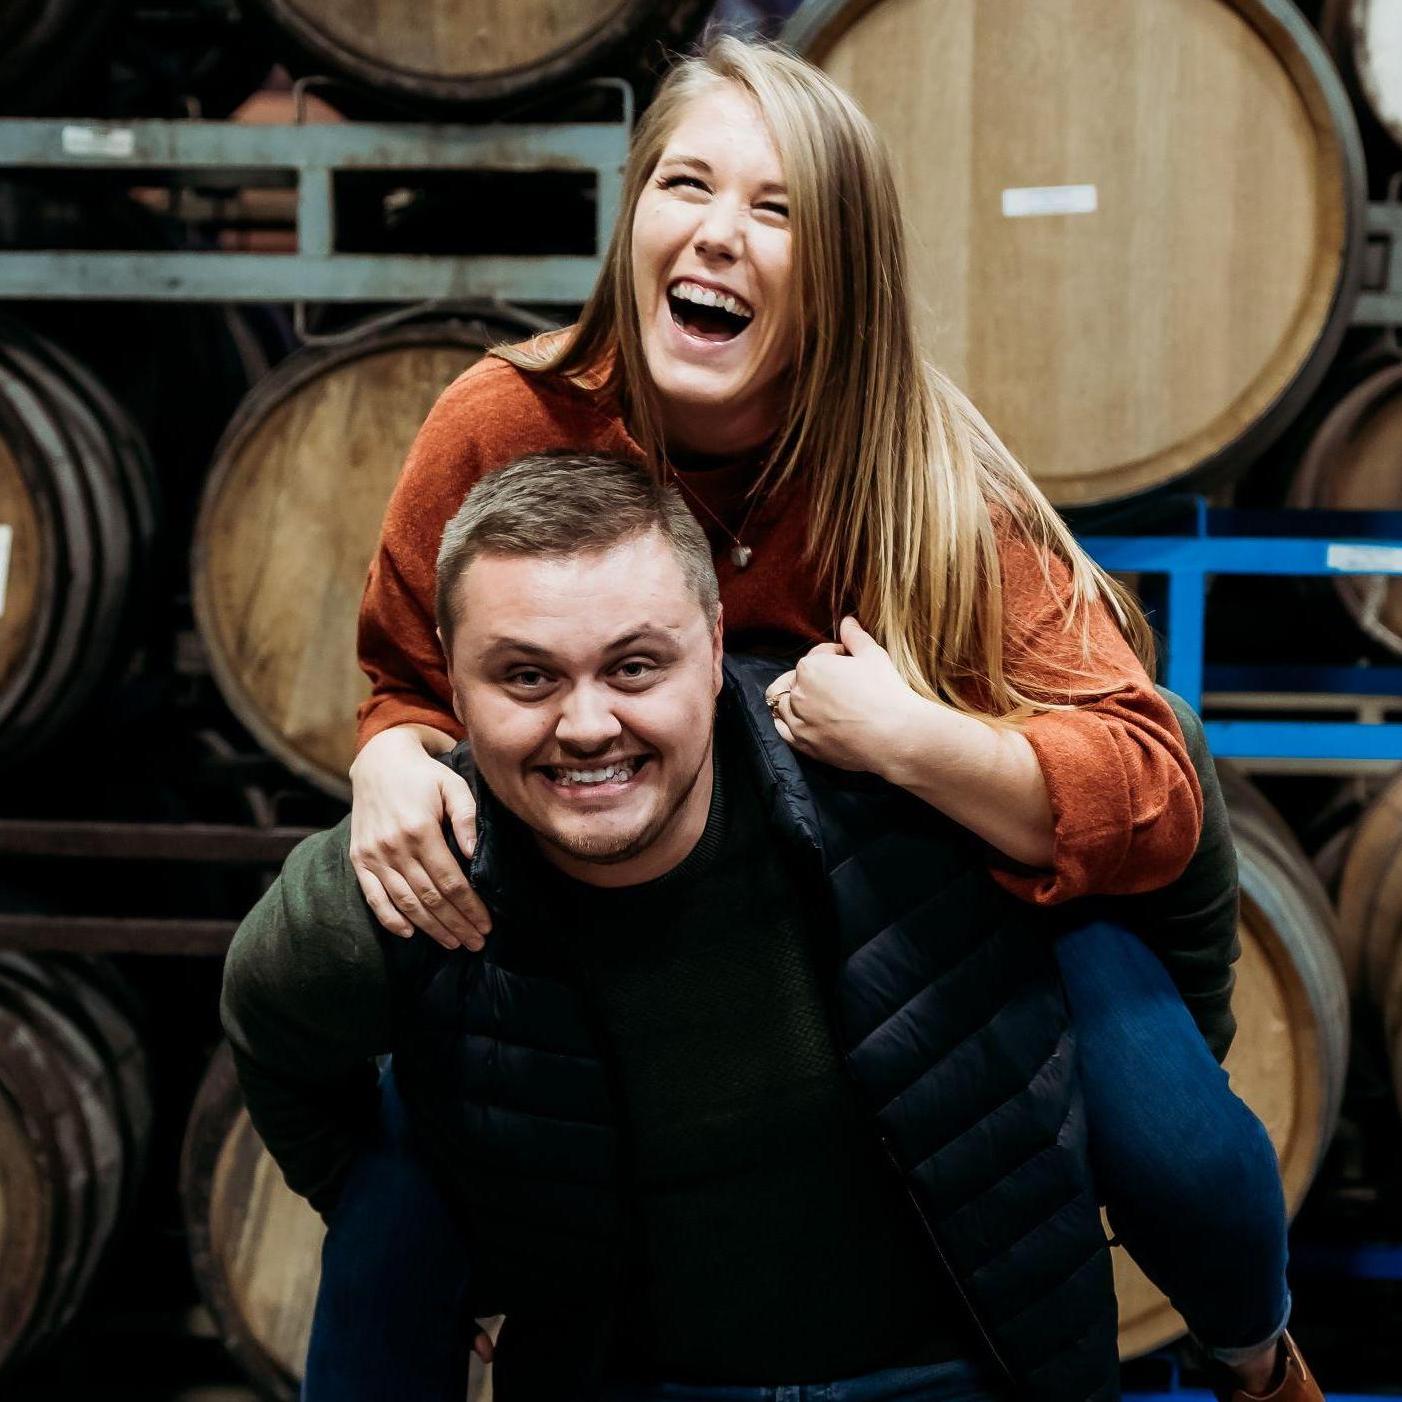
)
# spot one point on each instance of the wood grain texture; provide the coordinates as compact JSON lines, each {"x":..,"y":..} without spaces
{"x":1114,"y":350}
{"x":27,"y":565}
{"x":455,"y":38}
{"x":1354,"y":463}
{"x":1374,"y":30}
{"x":287,"y":529}
{"x":1370,"y":895}
{"x":26,"y":1221}
{"x":1289,"y":1058}
{"x":268,"y":1241}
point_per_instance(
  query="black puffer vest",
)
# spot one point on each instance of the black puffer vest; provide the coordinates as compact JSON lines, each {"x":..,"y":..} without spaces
{"x":950,"y":1013}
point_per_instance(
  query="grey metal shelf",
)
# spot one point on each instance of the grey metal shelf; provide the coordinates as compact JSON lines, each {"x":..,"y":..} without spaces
{"x":308,"y":157}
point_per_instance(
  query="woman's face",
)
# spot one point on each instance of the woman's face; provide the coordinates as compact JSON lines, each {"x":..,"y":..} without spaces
{"x":711,"y":271}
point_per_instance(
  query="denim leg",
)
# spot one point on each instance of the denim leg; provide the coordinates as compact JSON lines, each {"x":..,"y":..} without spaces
{"x":390,"y":1320}
{"x":938,"y":1382}
{"x":1186,"y":1171}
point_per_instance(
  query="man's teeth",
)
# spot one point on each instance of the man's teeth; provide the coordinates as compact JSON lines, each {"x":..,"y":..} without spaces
{"x":623,"y":770}
{"x":709,"y":297}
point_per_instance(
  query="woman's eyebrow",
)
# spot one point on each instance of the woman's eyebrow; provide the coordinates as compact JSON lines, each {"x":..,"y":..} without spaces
{"x":770,"y":187}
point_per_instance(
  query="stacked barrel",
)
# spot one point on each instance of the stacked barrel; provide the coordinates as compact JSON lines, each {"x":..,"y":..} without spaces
{"x":1137,"y":241}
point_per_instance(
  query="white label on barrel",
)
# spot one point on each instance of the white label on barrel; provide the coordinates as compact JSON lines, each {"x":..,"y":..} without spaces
{"x":115,"y":142}
{"x":1365,"y":559}
{"x":1029,"y":200}
{"x":6,"y":532}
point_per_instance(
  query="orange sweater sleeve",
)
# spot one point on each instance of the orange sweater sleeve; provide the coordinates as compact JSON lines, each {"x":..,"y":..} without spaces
{"x":397,"y":636}
{"x":1125,"y":799}
{"x":491,"y":414}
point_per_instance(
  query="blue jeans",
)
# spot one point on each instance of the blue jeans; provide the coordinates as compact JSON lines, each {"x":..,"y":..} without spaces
{"x":1186,"y":1171}
{"x":391,"y":1321}
{"x":939,"y":1382}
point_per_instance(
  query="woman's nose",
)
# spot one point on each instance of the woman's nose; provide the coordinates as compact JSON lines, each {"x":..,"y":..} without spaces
{"x":718,"y":235}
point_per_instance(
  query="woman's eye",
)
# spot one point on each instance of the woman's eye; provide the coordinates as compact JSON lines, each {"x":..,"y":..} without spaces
{"x":782,"y":210}
{"x":670,"y":182}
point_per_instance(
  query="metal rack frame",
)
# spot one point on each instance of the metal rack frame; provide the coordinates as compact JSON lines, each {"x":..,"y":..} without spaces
{"x":308,"y":157}
{"x":1217,"y":541}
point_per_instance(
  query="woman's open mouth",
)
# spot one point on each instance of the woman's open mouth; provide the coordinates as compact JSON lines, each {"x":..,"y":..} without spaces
{"x":706,"y":314}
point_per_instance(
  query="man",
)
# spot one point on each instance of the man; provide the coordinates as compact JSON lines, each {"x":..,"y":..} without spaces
{"x":761,"y":1078}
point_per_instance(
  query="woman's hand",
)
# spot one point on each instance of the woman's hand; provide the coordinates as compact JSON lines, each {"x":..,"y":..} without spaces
{"x":844,"y":704}
{"x":401,"y":795}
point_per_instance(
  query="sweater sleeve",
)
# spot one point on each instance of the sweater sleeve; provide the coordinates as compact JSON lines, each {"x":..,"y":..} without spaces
{"x":306,"y":1005}
{"x":1125,"y":799}
{"x":397,"y":636}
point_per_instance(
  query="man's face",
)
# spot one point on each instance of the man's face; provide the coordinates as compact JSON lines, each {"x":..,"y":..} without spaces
{"x":587,"y":687}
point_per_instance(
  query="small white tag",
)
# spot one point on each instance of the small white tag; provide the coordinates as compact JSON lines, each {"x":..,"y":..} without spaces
{"x":6,"y":532}
{"x":1025,"y":201}
{"x":1372,"y":559}
{"x":114,"y":142}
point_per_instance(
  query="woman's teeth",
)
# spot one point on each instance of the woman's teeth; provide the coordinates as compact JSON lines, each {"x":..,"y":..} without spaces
{"x":700,"y":296}
{"x":623,"y":770}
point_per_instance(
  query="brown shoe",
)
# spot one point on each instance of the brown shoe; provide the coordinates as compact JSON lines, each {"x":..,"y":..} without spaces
{"x":1296,"y":1383}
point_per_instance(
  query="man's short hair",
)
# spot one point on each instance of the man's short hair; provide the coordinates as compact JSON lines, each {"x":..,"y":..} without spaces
{"x":565,"y":503}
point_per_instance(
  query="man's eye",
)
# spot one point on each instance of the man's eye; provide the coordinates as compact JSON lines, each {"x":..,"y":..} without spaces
{"x":528,"y":677}
{"x":634,"y":671}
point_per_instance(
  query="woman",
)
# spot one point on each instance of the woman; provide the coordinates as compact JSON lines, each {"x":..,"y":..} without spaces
{"x":752,"y":334}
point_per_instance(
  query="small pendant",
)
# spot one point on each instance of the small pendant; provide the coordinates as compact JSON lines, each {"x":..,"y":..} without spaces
{"x":740,"y":555}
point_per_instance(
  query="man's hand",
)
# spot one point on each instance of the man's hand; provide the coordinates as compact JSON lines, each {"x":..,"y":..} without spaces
{"x":844,"y":704}
{"x":406,"y":872}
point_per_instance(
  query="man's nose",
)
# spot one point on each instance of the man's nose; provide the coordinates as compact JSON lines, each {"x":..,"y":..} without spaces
{"x":587,"y":723}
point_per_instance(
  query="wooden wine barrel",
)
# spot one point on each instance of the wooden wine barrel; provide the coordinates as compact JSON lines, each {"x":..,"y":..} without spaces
{"x":289,"y":522}
{"x":1370,"y":896}
{"x":1370,"y":33}
{"x":78,"y":524}
{"x":1354,"y":463}
{"x":75,"y":1116}
{"x":1290,"y":1055}
{"x":447,"y":53}
{"x":255,"y":1245}
{"x":1135,"y":229}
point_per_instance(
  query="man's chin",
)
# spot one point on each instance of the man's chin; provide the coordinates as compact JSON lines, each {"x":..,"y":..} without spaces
{"x":598,"y":848}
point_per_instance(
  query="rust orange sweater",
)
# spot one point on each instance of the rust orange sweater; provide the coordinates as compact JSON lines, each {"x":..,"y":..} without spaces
{"x":1124,"y":796}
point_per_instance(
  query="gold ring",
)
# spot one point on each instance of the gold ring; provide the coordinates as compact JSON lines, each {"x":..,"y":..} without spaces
{"x":773,"y":701}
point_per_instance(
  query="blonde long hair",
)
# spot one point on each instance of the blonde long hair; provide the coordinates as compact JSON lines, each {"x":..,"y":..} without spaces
{"x":909,"y":487}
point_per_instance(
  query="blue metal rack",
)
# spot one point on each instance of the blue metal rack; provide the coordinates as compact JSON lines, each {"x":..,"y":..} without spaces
{"x":1200,"y":542}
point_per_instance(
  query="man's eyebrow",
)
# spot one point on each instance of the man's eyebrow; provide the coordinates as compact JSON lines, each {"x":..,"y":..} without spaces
{"x":770,"y":187}
{"x":651,"y":633}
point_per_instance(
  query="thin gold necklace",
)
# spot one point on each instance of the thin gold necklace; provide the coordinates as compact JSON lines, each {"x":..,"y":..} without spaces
{"x":740,"y":553}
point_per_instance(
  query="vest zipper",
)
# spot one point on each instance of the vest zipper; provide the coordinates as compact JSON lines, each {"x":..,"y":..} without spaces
{"x":944,"y":1260}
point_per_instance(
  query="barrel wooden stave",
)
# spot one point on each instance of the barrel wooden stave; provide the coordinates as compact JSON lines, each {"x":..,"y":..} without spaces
{"x":289,"y":524}
{"x":454,"y":53}
{"x":1354,"y":463}
{"x":75,"y":478}
{"x":74,"y":1115}
{"x":1289,"y":1059}
{"x":260,"y":1292}
{"x":1228,"y":184}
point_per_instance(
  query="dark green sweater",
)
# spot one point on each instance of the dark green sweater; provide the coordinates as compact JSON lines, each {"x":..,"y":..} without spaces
{"x":775,"y":1242}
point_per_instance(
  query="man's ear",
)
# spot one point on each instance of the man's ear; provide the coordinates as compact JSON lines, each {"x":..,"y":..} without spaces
{"x":718,"y":650}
